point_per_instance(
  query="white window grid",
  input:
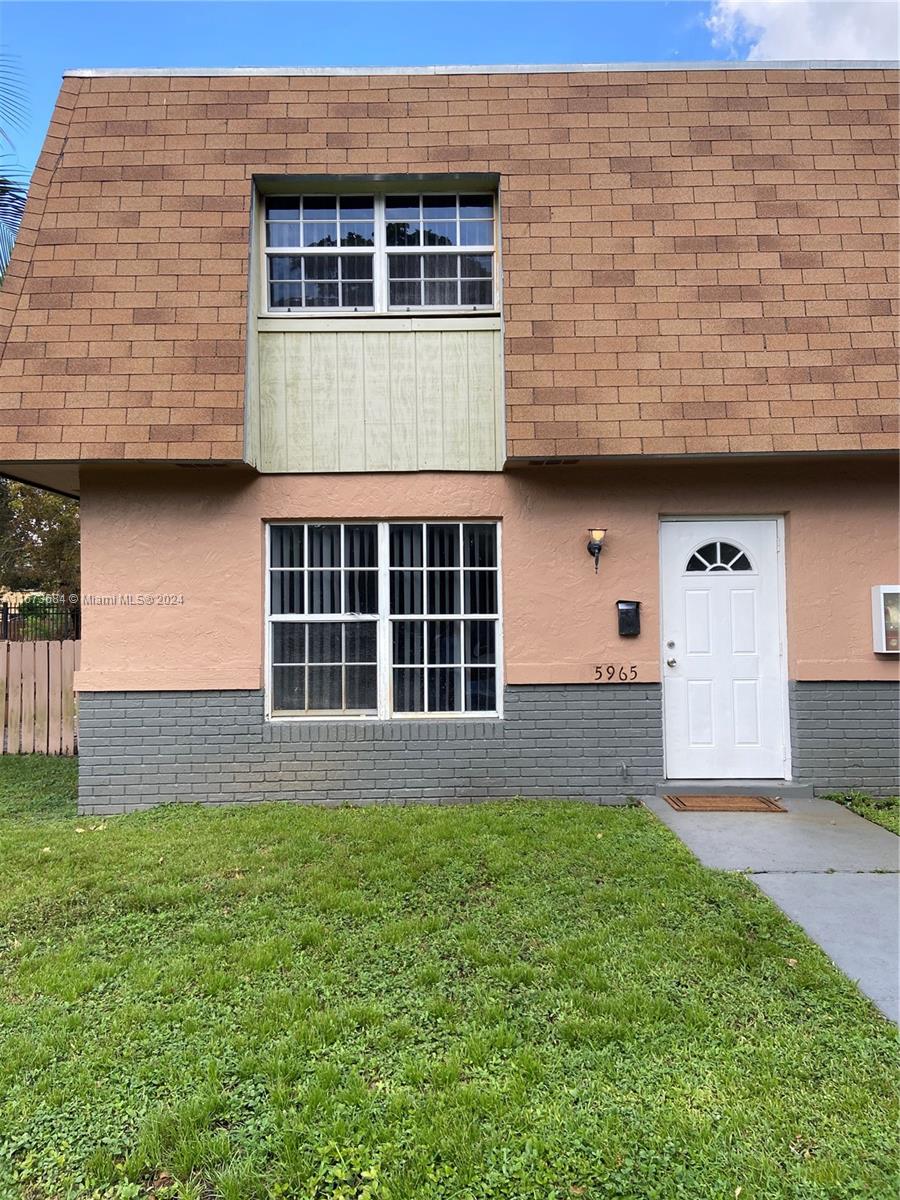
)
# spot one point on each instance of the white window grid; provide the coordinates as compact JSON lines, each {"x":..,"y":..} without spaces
{"x":384,"y":620}
{"x":344,"y":663}
{"x":460,"y":617}
{"x":343,"y":617}
{"x":379,"y":253}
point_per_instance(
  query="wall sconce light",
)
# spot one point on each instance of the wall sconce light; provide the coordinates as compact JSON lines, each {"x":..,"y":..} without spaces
{"x":595,"y":545}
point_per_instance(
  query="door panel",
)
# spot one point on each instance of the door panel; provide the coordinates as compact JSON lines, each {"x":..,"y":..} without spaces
{"x":723,"y":659}
{"x":743,"y":622}
{"x":745,"y":703}
{"x":696,"y":622}
{"x":700,"y":712}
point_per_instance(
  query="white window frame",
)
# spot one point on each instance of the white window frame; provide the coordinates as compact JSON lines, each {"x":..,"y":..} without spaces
{"x":383,"y":620}
{"x":340,"y":618}
{"x":379,"y":252}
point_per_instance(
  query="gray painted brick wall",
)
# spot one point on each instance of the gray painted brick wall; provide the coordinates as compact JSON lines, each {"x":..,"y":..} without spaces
{"x":844,"y":734}
{"x":600,"y":743}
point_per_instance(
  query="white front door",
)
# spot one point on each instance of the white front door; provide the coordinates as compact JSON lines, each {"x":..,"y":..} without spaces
{"x":722,"y":650}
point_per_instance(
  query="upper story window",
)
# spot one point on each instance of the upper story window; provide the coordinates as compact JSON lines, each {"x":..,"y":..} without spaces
{"x":380,"y":253}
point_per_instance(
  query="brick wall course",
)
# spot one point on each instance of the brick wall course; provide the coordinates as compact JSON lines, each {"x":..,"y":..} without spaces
{"x":604,"y":744}
{"x":845,"y":736}
{"x":139,"y":749}
{"x":693,"y":262}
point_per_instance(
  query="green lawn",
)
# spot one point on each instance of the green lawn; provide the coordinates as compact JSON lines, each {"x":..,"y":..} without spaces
{"x":883,"y":810}
{"x":515,"y":1000}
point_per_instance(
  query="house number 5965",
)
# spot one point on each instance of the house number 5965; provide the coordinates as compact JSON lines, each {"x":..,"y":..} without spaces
{"x":614,"y":673}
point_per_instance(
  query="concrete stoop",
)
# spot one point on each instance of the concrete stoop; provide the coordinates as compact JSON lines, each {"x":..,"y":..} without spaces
{"x":772,"y":788}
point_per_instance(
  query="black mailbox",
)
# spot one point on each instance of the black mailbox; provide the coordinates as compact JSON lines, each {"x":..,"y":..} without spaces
{"x":629,"y":617}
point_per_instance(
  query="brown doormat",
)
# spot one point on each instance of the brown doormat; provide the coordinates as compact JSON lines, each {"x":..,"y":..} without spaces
{"x":724,"y":804}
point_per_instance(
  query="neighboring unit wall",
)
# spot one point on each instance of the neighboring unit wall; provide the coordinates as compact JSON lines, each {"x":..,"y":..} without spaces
{"x":845,"y":735}
{"x":141,"y":749}
{"x":396,"y":394}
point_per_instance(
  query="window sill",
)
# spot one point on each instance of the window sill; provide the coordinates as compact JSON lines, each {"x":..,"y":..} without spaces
{"x":450,"y":728}
{"x":374,"y":719}
{"x":379,"y":322}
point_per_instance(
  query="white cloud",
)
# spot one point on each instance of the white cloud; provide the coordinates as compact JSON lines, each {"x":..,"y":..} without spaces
{"x":803,"y":29}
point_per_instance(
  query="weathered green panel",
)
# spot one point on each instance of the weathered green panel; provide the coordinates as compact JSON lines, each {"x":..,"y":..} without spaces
{"x":429,"y":401}
{"x":272,"y":443}
{"x":485,"y":416}
{"x":455,"y":386}
{"x":397,"y":395}
{"x":351,"y":400}
{"x":403,"y":410}
{"x":377,"y":417}
{"x":325,"y":401}
{"x":298,"y":423}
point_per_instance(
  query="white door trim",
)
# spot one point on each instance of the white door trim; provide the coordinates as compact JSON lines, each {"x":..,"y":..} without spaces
{"x":781,"y":584}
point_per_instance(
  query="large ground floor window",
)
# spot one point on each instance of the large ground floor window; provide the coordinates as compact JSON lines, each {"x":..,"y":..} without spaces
{"x":383,"y":619}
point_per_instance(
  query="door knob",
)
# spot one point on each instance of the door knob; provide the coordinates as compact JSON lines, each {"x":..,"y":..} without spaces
{"x":670,"y":662}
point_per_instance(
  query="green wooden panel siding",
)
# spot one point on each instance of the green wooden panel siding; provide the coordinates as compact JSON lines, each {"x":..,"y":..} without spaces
{"x":412,"y":396}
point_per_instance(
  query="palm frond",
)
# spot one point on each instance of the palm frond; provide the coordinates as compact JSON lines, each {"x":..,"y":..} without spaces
{"x":13,"y":97}
{"x":12,"y":200}
{"x":13,"y":194}
{"x":13,"y":180}
{"x":7,"y":241}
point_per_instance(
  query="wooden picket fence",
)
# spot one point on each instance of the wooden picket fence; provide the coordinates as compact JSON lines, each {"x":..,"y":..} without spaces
{"x":37,"y":688}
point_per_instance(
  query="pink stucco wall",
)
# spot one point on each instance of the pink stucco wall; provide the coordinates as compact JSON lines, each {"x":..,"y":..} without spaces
{"x":198,"y":534}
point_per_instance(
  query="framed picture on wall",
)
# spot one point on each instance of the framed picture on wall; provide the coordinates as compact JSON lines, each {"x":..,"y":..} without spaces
{"x":886,"y":618}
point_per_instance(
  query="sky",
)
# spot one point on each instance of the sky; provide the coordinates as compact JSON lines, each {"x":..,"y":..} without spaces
{"x":47,"y":37}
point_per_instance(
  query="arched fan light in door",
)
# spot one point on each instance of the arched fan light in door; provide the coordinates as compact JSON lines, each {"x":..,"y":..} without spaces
{"x":719,"y":556}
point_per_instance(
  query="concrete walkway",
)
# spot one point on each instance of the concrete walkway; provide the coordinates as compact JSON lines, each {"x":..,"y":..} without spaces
{"x":829,"y":870}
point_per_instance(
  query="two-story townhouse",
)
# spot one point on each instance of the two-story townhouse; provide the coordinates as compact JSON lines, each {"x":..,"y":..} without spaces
{"x":348,"y":369}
